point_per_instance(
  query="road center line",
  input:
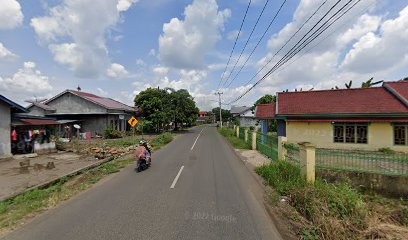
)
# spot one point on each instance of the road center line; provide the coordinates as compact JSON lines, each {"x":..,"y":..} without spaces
{"x":177,"y":177}
{"x":196,"y":139}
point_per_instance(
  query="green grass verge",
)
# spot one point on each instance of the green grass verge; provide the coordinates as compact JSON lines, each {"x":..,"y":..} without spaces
{"x":229,"y":134}
{"x":15,"y":210}
{"x":336,"y":211}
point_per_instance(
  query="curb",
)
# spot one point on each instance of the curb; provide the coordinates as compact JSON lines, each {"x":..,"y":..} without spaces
{"x":52,"y":181}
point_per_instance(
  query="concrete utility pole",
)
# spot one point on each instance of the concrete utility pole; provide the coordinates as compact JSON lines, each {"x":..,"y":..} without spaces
{"x":219,"y":100}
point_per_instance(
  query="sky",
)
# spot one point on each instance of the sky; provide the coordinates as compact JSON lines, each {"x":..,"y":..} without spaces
{"x":117,"y":48}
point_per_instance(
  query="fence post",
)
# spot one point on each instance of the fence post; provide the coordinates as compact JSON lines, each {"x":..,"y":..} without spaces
{"x":307,"y":156}
{"x":254,"y":140}
{"x":234,"y":127}
{"x":237,"y":133}
{"x":281,"y":149}
{"x":246,"y":134}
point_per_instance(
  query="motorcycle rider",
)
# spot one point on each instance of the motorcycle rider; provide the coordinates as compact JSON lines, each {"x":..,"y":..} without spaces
{"x":148,"y":152}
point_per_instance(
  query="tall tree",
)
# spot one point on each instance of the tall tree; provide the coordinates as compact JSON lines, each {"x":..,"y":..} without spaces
{"x":182,"y":107}
{"x":153,"y":103}
{"x":225,"y":114}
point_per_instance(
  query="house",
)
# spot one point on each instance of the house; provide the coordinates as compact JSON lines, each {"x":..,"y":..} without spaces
{"x":93,"y":113}
{"x":15,"y":125}
{"x":245,"y":115}
{"x":205,"y":117}
{"x":362,"y":118}
{"x":7,"y":109}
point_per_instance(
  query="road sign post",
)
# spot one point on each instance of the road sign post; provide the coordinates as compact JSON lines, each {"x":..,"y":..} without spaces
{"x":133,"y":122}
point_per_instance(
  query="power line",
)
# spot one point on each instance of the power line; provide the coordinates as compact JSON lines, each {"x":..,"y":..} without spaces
{"x":296,"y":49}
{"x":235,"y":43}
{"x":328,"y":35}
{"x":270,"y":60}
{"x":247,"y":41}
{"x":257,"y":44}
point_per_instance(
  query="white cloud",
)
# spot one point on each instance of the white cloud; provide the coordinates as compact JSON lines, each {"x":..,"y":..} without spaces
{"x":382,"y":51}
{"x":140,"y":62}
{"x":116,"y":71}
{"x":124,"y":5}
{"x":361,"y":45}
{"x":10,"y":14}
{"x":102,"y":92}
{"x":76,"y":31}
{"x":26,"y":83}
{"x":233,"y":35}
{"x":152,"y":52}
{"x":185,"y":43}
{"x":6,"y":54}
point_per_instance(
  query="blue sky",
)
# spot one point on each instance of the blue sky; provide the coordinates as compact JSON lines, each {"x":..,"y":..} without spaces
{"x":116,"y":48}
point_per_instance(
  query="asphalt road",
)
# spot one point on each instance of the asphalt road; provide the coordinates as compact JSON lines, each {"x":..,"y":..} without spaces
{"x":213,"y":197}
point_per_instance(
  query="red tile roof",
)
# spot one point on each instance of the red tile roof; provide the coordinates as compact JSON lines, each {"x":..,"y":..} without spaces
{"x":399,"y":88}
{"x":203,"y":113}
{"x":265,"y":111}
{"x":104,"y":102}
{"x":376,"y":100}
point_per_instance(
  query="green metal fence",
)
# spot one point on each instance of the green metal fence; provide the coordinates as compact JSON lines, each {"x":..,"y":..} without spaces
{"x":267,"y":145}
{"x":292,"y":153}
{"x":242,"y":133}
{"x":250,"y":137}
{"x":362,"y":161}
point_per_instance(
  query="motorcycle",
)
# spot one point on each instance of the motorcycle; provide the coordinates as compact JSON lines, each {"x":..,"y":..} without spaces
{"x":143,"y":159}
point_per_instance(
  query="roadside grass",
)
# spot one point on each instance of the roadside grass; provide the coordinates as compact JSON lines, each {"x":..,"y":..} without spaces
{"x":161,"y":140}
{"x":335,"y":211}
{"x":230,"y":136}
{"x":14,"y":211}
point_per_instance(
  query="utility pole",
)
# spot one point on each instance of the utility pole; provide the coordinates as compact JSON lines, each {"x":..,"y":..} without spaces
{"x":219,"y":100}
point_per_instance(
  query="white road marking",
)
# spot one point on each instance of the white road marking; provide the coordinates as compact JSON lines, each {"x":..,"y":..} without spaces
{"x":196,"y":139}
{"x":177,"y":177}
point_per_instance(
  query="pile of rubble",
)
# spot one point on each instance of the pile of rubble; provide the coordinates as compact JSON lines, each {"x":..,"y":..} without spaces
{"x":105,"y":152}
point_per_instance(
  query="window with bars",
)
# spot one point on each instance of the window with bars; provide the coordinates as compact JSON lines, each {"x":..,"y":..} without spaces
{"x":400,"y":134}
{"x":350,"y":133}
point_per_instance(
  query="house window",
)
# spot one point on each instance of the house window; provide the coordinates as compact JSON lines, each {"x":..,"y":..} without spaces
{"x":350,"y":133}
{"x":400,"y":135}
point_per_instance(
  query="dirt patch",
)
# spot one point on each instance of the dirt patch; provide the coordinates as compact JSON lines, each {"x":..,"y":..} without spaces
{"x":15,"y":179}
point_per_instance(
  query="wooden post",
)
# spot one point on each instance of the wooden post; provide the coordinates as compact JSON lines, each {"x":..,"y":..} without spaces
{"x":237,"y":131}
{"x":281,"y":149}
{"x":254,"y":140}
{"x":308,"y":161}
{"x":246,"y":135}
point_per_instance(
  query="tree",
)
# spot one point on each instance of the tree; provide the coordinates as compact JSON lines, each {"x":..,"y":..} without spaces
{"x":226,"y":114}
{"x":266,"y":99}
{"x":182,"y":107}
{"x":369,"y":83}
{"x":162,"y":106}
{"x":153,"y":102}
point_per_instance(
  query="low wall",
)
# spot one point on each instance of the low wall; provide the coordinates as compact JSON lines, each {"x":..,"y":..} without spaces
{"x":394,"y":186}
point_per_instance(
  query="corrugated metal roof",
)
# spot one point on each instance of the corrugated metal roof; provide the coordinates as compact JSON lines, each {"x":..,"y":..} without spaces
{"x":104,"y":102}
{"x":39,"y":122}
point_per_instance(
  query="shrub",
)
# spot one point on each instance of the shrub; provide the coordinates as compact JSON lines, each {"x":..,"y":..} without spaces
{"x":111,"y":134}
{"x":162,"y":139}
{"x":386,"y":150}
{"x":332,"y":208}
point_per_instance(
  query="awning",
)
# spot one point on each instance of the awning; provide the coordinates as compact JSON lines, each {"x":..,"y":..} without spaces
{"x":37,"y":122}
{"x":68,"y":121}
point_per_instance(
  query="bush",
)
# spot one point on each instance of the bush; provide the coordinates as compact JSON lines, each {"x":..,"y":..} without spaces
{"x":111,"y":134}
{"x":145,"y":126}
{"x":334,"y":209}
{"x":386,"y":150}
{"x":162,"y":139}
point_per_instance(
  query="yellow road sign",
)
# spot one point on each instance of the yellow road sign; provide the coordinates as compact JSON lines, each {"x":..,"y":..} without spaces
{"x":133,"y":121}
